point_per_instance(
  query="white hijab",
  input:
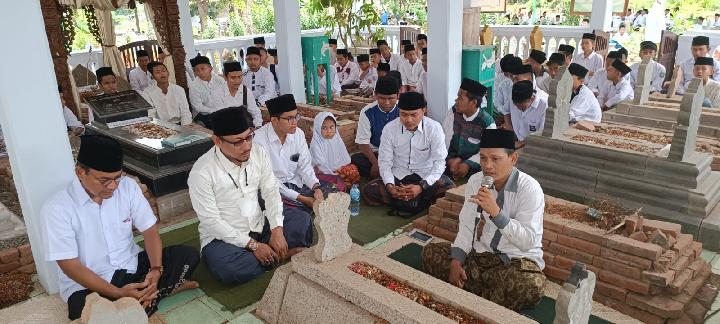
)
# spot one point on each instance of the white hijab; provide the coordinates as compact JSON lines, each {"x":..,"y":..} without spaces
{"x":327,"y":154}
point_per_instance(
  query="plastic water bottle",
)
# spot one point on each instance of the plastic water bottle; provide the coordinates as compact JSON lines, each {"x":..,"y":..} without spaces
{"x":354,"y":200}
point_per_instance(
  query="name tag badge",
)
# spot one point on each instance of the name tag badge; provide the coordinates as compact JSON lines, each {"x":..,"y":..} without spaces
{"x":473,"y":140}
{"x":532,"y":128}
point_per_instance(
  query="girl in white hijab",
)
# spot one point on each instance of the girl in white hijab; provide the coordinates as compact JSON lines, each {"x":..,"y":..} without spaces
{"x":328,"y":150}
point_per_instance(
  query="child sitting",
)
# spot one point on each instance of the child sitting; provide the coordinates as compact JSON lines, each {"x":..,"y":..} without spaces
{"x":330,"y":156}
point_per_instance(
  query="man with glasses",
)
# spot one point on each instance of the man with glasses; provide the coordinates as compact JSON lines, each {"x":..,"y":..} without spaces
{"x":89,"y":233}
{"x":287,"y":148}
{"x":258,"y":78}
{"x":238,"y":240}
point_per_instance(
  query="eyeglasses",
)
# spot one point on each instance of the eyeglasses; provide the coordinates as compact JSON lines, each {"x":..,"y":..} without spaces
{"x":241,"y":141}
{"x":290,"y":119}
{"x":106,"y":183}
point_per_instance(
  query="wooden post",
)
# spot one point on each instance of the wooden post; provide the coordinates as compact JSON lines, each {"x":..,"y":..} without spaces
{"x":486,"y":36}
{"x":536,"y":39}
{"x":167,"y":22}
{"x":471,"y":26}
{"x":56,"y":41}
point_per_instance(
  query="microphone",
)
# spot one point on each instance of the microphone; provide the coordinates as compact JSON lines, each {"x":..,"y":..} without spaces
{"x":487,"y":182}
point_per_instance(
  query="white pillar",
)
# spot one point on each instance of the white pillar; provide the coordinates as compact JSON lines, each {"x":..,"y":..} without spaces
{"x":601,"y":17}
{"x":444,"y":55}
{"x":186,"y":32}
{"x":33,"y":123}
{"x":287,"y":40}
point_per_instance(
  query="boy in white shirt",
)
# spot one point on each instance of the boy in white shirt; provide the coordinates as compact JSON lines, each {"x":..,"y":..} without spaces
{"x":618,"y":89}
{"x":168,"y":100}
{"x":410,"y":69}
{"x":588,"y":58}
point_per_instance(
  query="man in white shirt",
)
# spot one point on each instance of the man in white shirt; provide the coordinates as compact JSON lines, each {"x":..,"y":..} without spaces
{"x":700,"y":47}
{"x":621,"y":37}
{"x":388,"y":57}
{"x":347,"y":71}
{"x":74,"y":126}
{"x":238,"y":95}
{"x":503,"y":87}
{"x":258,"y":78}
{"x":588,"y":58}
{"x":368,"y":74}
{"x":536,"y":60}
{"x":599,"y":80}
{"x":383,"y":69}
{"x":371,"y":122}
{"x":410,"y":69}
{"x":88,"y":230}
{"x":332,"y":43}
{"x":504,"y":262}
{"x":648,"y":48}
{"x":618,"y":89}
{"x":375,"y":57}
{"x":422,"y":41}
{"x":140,"y":77}
{"x":285,"y":145}
{"x":241,"y":238}
{"x":207,"y":90}
{"x":552,"y":66}
{"x":259,"y":42}
{"x":168,"y":100}
{"x":422,"y":83}
{"x":583,"y":104}
{"x":412,"y":161}
{"x":703,"y":70}
{"x":322,"y":82}
{"x":106,"y":80}
{"x":527,"y":110}
{"x":569,"y":52}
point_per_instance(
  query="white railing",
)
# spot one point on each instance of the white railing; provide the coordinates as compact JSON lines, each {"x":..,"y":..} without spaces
{"x":511,"y":39}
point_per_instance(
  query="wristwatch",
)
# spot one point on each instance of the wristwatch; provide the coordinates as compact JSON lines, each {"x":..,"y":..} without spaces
{"x":252,"y":245}
{"x":424,"y":185}
{"x":316,"y":187}
{"x":158,"y":268}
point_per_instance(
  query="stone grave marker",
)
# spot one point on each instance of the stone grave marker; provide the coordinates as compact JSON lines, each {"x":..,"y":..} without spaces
{"x":642,"y":85}
{"x":99,"y":310}
{"x":685,"y":135}
{"x":83,"y":76}
{"x":674,"y":81}
{"x":557,"y":118}
{"x":574,"y":302}
{"x":331,"y":218}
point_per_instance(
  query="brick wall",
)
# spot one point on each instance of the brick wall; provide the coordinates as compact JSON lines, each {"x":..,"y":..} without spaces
{"x":654,"y":283}
{"x":19,"y":258}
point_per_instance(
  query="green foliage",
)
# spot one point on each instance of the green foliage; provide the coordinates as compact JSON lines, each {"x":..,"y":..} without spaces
{"x":340,"y":19}
{"x":211,"y":30}
{"x":309,"y":19}
{"x":83,"y":37}
{"x":235,"y":25}
{"x":263,"y":16}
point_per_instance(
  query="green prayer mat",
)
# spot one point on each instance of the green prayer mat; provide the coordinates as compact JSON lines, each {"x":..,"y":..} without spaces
{"x":544,"y":312}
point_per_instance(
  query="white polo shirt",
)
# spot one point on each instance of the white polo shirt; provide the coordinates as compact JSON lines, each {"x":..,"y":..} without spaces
{"x":99,"y":235}
{"x":531,"y":120}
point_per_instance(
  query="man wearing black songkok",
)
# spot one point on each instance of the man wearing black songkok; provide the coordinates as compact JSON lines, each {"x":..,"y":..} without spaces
{"x":88,"y":228}
{"x":240,"y":237}
{"x":503,"y":261}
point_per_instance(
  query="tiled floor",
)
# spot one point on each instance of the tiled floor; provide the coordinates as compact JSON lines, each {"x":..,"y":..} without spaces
{"x":193,"y":306}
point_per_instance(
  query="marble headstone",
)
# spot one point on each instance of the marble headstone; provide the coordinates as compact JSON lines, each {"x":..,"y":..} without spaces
{"x":674,"y":81}
{"x":557,"y":118}
{"x":574,"y":302}
{"x":331,"y":218}
{"x":685,"y":135}
{"x":642,"y":84}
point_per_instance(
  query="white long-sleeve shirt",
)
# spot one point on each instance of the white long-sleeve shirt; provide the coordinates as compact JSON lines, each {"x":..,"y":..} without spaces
{"x":261,"y":83}
{"x":348,"y":74}
{"x":598,"y":81}
{"x":657,"y":79}
{"x":206,"y":97}
{"x":237,"y":101}
{"x":410,"y":73}
{"x":422,"y":84}
{"x":71,"y":120}
{"x":520,"y":220}
{"x":502,"y":98}
{"x":403,"y":152}
{"x":712,"y":93}
{"x":322,"y":85}
{"x":394,"y":61}
{"x":139,"y":79}
{"x":612,"y":94}
{"x":688,"y":74}
{"x":291,"y":161}
{"x":584,"y":106}
{"x":229,"y":213}
{"x":368,"y":78}
{"x":171,"y":107}
{"x":531,"y":120}
{"x":593,"y":62}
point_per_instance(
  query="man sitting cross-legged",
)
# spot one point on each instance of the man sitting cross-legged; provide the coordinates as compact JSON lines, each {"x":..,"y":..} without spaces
{"x":239,"y":240}
{"x":89,"y":233}
{"x":503,"y":263}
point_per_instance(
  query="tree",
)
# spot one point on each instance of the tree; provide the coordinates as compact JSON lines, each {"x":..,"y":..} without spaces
{"x":347,"y":19}
{"x":203,"y":10}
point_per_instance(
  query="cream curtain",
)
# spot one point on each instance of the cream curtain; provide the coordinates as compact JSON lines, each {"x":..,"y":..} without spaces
{"x":168,"y":61}
{"x":111,"y":54}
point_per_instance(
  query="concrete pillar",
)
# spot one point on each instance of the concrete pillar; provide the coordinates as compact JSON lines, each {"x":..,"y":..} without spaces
{"x":444,"y":55}
{"x":601,"y":17}
{"x":287,"y":40}
{"x":33,"y":124}
{"x":186,"y":32}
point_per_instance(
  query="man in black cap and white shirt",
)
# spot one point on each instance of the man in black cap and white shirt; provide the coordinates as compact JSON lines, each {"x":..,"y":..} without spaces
{"x":648,"y":48}
{"x":368,"y":74}
{"x":386,"y":56}
{"x":618,"y":89}
{"x":536,"y":60}
{"x":140,"y":77}
{"x":207,"y":90}
{"x":238,"y":94}
{"x":503,"y":262}
{"x":168,"y":99}
{"x":106,"y":80}
{"x":410,"y":69}
{"x":583,"y":104}
{"x":411,"y":160}
{"x":599,"y":79}
{"x":88,"y":228}
{"x":259,"y":42}
{"x":527,"y":110}
{"x":258,"y":78}
{"x":568,"y":51}
{"x":240,"y":238}
{"x":347,"y":72}
{"x":588,"y":58}
{"x":703,"y":70}
{"x":700,"y":47}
